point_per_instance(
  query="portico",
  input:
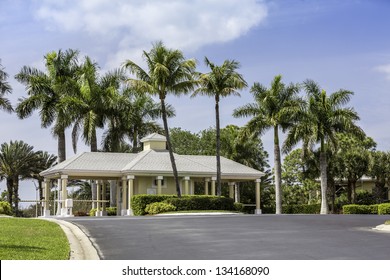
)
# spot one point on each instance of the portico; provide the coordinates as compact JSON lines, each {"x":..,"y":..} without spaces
{"x":148,"y":172}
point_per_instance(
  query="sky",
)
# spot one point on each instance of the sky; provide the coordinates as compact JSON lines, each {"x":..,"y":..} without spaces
{"x":339,"y":44}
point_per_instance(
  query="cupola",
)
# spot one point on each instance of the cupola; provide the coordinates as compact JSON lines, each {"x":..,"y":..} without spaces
{"x":154,"y":141}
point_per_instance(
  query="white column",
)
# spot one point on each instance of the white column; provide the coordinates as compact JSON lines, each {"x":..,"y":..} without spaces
{"x":98,"y":198}
{"x":59,"y":197}
{"x":112,"y":193}
{"x":46,"y":209}
{"x":231,"y":189}
{"x":64,"y":194}
{"x":124,"y":187}
{"x":94,"y":193}
{"x":186,"y":188}
{"x":117,"y":203}
{"x":206,"y":186}
{"x":159,"y":184}
{"x":237,"y":193}
{"x":130,"y":192}
{"x":104,"y":191}
{"x":213,"y":179}
{"x":258,"y":207}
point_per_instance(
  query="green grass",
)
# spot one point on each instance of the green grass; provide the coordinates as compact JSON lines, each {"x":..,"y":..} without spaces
{"x":32,"y":239}
{"x":387,"y":222}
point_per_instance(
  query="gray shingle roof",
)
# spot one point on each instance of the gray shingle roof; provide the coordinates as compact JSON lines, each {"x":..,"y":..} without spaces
{"x":151,"y":161}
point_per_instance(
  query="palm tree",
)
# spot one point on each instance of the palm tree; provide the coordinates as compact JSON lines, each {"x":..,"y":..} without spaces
{"x":4,"y":89}
{"x":320,"y":120}
{"x":133,"y":117}
{"x":47,"y":92}
{"x":17,"y":160}
{"x":220,"y":82}
{"x":168,"y":72}
{"x":90,"y":106}
{"x":273,"y":108}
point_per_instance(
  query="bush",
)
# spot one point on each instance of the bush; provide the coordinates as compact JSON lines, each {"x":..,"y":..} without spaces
{"x":80,"y":213}
{"x":360,"y":209}
{"x":5,"y":208}
{"x":384,"y":209}
{"x":301,"y":209}
{"x":159,"y":207}
{"x":202,"y":202}
{"x":111,"y":211}
{"x":239,"y":207}
{"x":365,"y":198}
{"x":140,"y":201}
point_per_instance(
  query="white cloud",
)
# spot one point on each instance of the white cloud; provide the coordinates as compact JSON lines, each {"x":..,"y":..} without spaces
{"x":384,"y":69}
{"x":133,"y":25}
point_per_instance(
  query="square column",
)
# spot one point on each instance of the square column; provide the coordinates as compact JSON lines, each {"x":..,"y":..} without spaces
{"x":186,"y":185}
{"x":117,"y":203}
{"x":104,"y":191}
{"x":206,"y":186}
{"x":64,"y":194}
{"x":213,"y":179}
{"x":98,"y":198}
{"x":159,"y":184}
{"x":123,"y":209}
{"x":258,"y":209}
{"x":130,"y":193}
{"x":113,"y":184}
{"x":46,"y":205}
{"x":231,"y":189}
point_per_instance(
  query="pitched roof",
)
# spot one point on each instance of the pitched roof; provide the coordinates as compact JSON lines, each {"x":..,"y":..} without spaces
{"x":149,"y":162}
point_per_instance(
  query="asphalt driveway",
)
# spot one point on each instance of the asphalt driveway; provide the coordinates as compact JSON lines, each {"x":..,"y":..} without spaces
{"x":238,"y":237}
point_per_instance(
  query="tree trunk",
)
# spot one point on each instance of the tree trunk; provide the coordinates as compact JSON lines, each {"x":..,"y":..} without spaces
{"x":16,"y":195}
{"x":10,"y":190}
{"x":278,"y":173}
{"x":61,"y":145}
{"x":324,"y":182}
{"x":94,"y":142}
{"x":218,"y":148}
{"x":349,"y":191}
{"x":353,"y":191}
{"x":171,"y":156}
{"x":135,"y":141}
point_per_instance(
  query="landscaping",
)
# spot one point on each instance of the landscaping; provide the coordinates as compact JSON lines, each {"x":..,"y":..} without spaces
{"x":32,"y":239}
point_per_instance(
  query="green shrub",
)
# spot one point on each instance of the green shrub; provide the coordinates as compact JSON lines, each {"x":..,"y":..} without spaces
{"x":301,"y":209}
{"x":202,"y":202}
{"x":140,"y":201}
{"x":360,"y":209}
{"x":111,"y":211}
{"x":5,"y":208}
{"x":80,"y":213}
{"x":387,"y":222}
{"x":384,"y":209}
{"x":159,"y":207}
{"x":238,"y":206}
{"x":365,"y":198}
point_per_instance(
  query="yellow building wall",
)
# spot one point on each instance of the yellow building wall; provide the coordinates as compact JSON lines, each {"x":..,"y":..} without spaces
{"x":145,"y":185}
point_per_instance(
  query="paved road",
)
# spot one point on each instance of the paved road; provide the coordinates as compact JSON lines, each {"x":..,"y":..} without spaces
{"x":238,"y":237}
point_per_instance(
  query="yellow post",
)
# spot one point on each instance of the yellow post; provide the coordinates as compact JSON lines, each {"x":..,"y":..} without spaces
{"x":130,"y":193}
{"x":117,"y":198}
{"x":206,"y":186}
{"x":213,"y":179}
{"x":159,"y":183}
{"x":124,"y":183}
{"x":186,"y":185}
{"x":104,"y":190}
{"x":64,"y":184}
{"x":231,"y":189}
{"x":46,"y":183}
{"x":258,"y":208}
{"x":98,"y":197}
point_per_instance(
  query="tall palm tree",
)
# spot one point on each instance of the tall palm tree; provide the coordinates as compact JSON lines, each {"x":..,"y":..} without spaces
{"x":47,"y":91}
{"x":168,"y":72}
{"x":17,"y":160}
{"x":273,"y":108}
{"x":90,"y":105}
{"x":4,"y":89}
{"x":221,"y":81}
{"x":320,"y":120}
{"x":133,"y":117}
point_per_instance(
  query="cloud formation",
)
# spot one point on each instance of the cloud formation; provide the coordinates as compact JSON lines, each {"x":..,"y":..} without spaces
{"x":384,"y":69}
{"x":133,"y":25}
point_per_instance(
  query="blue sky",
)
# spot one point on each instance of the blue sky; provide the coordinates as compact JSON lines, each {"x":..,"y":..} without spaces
{"x":339,"y":44}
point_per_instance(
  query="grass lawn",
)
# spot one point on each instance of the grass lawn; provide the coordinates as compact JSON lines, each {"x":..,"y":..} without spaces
{"x":32,"y":239}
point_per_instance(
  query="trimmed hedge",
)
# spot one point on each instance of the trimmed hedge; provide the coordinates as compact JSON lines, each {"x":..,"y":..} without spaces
{"x":140,"y":201}
{"x":5,"y":208}
{"x":202,"y":202}
{"x":111,"y":211}
{"x":159,"y":207}
{"x":360,"y":209}
{"x":301,"y":209}
{"x":384,"y":209}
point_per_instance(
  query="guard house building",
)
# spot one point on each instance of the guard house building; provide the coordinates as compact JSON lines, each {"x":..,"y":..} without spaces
{"x":146,"y":172}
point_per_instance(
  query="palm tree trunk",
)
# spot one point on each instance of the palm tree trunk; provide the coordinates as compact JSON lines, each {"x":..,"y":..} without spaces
{"x":278,"y":172}
{"x":218,"y":142}
{"x":324,"y":182}
{"x":10,"y":190}
{"x":174,"y":168}
{"x":16,"y":195}
{"x":61,"y":145}
{"x":94,"y":142}
{"x":135,"y":141}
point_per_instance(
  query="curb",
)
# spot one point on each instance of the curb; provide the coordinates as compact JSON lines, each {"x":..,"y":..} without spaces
{"x":385,"y":228}
{"x":81,"y":247}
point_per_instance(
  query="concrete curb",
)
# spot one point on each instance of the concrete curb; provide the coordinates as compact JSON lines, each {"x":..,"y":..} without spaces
{"x":81,"y":247}
{"x":385,"y":228}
